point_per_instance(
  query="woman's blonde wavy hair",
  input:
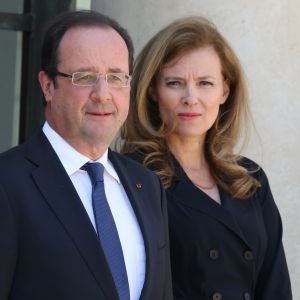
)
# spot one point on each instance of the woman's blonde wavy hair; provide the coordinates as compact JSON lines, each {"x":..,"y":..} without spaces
{"x":145,"y":133}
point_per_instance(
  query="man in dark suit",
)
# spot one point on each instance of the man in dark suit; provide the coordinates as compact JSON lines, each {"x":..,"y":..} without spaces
{"x":51,"y":241}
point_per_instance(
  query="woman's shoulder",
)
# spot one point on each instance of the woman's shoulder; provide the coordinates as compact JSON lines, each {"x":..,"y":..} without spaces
{"x":257,"y":172}
{"x":248,"y":163}
{"x":253,"y":168}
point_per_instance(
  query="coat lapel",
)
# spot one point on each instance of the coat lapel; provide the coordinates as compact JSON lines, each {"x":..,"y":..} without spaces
{"x":241,"y":212}
{"x":133,"y":185}
{"x":62,"y":198}
{"x":230,"y":213}
{"x":189,"y":195}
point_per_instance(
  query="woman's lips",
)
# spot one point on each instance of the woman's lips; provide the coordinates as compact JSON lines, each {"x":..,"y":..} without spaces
{"x":98,"y":113}
{"x":189,"y":115}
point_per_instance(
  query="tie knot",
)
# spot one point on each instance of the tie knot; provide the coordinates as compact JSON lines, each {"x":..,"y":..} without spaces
{"x":95,"y":171}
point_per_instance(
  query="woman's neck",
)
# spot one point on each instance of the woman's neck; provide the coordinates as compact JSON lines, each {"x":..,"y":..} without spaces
{"x":188,"y":151}
{"x":191,"y":157}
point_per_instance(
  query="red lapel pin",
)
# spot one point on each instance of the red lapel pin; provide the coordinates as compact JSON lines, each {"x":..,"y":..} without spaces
{"x":138,"y":185}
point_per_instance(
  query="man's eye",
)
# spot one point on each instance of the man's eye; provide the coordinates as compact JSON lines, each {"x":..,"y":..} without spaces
{"x":85,"y":77}
{"x":114,"y":78}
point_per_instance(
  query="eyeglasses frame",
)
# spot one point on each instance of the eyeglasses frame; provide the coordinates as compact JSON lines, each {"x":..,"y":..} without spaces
{"x":71,"y":76}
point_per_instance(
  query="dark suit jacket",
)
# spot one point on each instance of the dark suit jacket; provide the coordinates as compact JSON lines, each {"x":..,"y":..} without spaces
{"x":231,"y":251}
{"x":48,"y":247}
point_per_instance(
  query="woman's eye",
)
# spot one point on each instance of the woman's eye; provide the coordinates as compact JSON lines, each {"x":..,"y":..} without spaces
{"x":205,"y":83}
{"x":174,"y":83}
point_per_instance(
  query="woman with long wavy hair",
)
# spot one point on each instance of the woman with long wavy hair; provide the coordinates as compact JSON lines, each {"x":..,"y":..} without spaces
{"x":189,"y":110}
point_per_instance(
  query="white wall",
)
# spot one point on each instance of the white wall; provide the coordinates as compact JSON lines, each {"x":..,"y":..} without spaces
{"x":266,"y":37}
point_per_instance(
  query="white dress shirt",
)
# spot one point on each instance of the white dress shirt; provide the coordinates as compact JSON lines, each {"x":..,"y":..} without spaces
{"x":127,"y":225}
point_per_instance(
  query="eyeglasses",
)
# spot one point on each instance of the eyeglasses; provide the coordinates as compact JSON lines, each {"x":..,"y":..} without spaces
{"x":116,"y":80}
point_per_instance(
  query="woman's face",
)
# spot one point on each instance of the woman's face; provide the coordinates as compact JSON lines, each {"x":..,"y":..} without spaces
{"x":189,"y":91}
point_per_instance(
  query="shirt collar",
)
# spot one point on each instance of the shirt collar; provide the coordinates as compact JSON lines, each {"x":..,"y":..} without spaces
{"x":71,"y":159}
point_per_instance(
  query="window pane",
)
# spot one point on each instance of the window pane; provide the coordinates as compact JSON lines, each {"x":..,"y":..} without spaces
{"x":10,"y":75}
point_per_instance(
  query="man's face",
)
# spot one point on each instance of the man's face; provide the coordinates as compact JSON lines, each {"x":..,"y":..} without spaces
{"x":88,"y":117}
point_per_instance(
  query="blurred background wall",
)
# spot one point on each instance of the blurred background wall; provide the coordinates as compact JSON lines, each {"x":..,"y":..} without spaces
{"x":266,"y":36}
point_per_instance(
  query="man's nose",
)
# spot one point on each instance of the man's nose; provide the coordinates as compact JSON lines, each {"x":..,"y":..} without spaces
{"x":101,"y":90}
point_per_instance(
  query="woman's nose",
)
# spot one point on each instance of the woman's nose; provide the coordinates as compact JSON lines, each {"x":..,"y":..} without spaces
{"x":190,"y":96}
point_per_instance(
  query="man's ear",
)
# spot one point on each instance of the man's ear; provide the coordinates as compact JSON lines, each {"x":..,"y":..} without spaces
{"x":226,"y":91}
{"x":46,"y":85}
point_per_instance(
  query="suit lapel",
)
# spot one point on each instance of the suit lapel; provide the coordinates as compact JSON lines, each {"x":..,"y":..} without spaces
{"x":62,"y":198}
{"x":139,"y":203}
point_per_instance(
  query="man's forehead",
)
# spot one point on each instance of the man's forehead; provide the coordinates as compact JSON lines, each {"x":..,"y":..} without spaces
{"x":94,"y":43}
{"x":85,"y":32}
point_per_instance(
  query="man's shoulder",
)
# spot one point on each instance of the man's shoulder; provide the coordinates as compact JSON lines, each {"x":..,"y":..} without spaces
{"x":11,"y":154}
{"x":126,"y":159}
{"x":14,"y":156}
{"x":12,"y":164}
{"x":130,"y":162}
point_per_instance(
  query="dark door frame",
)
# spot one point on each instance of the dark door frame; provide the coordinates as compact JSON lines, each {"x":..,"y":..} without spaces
{"x":35,"y":14}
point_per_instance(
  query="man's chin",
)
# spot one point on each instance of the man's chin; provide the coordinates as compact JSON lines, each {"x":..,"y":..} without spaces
{"x":102,"y":137}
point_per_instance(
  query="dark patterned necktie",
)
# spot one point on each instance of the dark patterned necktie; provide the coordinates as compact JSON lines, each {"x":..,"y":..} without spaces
{"x":107,"y":230}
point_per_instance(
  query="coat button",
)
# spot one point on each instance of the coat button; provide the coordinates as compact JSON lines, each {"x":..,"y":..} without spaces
{"x":217,"y":296}
{"x":214,"y":254}
{"x":247,"y":296}
{"x":248,"y":255}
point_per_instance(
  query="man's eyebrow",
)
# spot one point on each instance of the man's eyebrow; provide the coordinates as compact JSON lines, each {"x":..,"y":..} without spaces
{"x":116,"y":70}
{"x":86,"y":69}
{"x":92,"y":69}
